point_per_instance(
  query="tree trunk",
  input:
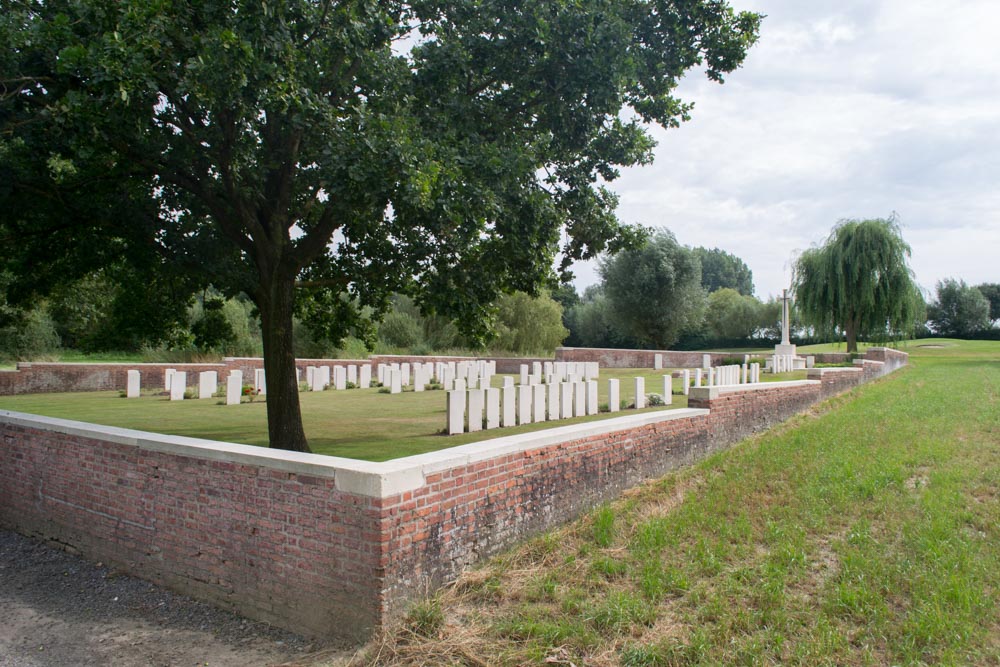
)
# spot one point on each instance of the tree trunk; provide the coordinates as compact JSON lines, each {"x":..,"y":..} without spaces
{"x":851,"y":330}
{"x":284,"y":418}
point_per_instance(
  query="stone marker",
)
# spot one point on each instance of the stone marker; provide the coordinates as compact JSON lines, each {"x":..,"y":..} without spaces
{"x":744,"y":373}
{"x":208,"y":384}
{"x":508,"y":381}
{"x":810,"y":362}
{"x":640,"y":393}
{"x":706,"y":361}
{"x":697,"y":377}
{"x":509,"y":417}
{"x":524,"y":374}
{"x":658,"y":362}
{"x":593,"y":370}
{"x":538,"y":394}
{"x":476,"y":397}
{"x":592,"y":405}
{"x":339,"y":378}
{"x":352,"y":374}
{"x":614,"y":396}
{"x":536,"y":368}
{"x":524,"y":396}
{"x":168,"y":375}
{"x":668,"y":389}
{"x":178,"y":384}
{"x":459,"y":384}
{"x":566,"y":399}
{"x":456,"y":412}
{"x":311,"y":377}
{"x":234,"y":388}
{"x":492,"y":408}
{"x":365,"y":377}
{"x":132,"y":385}
{"x":259,"y":381}
{"x":404,"y":373}
{"x":395,"y":381}
{"x":685,"y":381}
{"x":579,"y":398}
{"x":553,"y":391}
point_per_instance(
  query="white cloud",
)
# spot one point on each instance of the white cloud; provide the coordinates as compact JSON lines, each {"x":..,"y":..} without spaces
{"x":843,"y":110}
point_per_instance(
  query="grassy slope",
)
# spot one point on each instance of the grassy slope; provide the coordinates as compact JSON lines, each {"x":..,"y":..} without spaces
{"x":866,"y":532}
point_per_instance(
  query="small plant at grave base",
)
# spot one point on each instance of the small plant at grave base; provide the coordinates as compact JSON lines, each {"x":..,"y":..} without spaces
{"x":653,"y":400}
{"x":604,"y":407}
{"x":434,"y":386}
{"x":426,"y":618}
{"x":303,"y":386}
{"x":190,"y":393}
{"x":384,"y":390}
{"x":351,"y":385}
{"x":122,"y":394}
{"x":626,"y":405}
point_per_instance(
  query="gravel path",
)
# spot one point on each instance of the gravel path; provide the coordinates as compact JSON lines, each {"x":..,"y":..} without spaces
{"x":57,"y":609}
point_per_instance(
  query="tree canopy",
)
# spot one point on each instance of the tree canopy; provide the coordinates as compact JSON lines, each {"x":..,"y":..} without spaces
{"x":720,"y":269}
{"x":655,"y":292}
{"x":959,"y":310}
{"x":992,"y":293}
{"x":351,"y":150}
{"x":859,"y":282}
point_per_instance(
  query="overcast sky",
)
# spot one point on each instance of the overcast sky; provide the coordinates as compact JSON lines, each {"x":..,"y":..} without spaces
{"x":844,"y":109}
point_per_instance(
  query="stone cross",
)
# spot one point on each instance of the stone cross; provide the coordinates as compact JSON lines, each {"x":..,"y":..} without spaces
{"x":784,"y":318}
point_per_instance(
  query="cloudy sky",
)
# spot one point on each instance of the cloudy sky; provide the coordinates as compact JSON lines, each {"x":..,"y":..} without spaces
{"x":844,"y":109}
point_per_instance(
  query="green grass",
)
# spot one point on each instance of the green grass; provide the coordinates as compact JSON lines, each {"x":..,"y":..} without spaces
{"x":358,"y":423}
{"x":866,"y":532}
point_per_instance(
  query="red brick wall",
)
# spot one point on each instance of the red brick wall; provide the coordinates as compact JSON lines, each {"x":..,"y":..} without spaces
{"x":738,"y":414}
{"x":613,"y":358}
{"x":282,"y":547}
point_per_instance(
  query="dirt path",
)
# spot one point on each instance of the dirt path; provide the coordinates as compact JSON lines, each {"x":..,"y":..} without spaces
{"x":57,"y":609}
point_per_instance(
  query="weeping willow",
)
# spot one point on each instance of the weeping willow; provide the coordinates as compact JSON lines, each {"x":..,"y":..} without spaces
{"x":859,"y":283}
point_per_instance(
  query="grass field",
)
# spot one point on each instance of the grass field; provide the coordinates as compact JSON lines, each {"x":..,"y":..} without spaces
{"x":358,"y":423}
{"x":866,"y":532}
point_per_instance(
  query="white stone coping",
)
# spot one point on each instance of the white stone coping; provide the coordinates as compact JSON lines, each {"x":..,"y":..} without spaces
{"x":716,"y":390}
{"x":366,"y":478}
{"x":127,"y":364}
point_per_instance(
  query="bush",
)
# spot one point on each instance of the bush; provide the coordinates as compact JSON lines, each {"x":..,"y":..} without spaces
{"x":400,"y":329}
{"x":29,"y":336}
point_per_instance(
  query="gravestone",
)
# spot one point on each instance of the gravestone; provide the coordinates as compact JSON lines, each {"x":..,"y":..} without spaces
{"x":132,"y":385}
{"x":658,"y":362}
{"x":668,"y":389}
{"x":168,"y":375}
{"x":706,"y":361}
{"x":395,"y":381}
{"x":339,"y":378}
{"x":614,"y":396}
{"x":697,"y":377}
{"x":492,"y":408}
{"x":476,"y":397}
{"x":311,"y":377}
{"x":593,"y":370}
{"x":640,"y":393}
{"x":259,"y":381}
{"x":592,"y":404}
{"x":459,"y":384}
{"x":538,"y":393}
{"x":404,"y":374}
{"x":553,"y":391}
{"x":234,"y":387}
{"x":508,"y":381}
{"x":523,"y":379}
{"x":178,"y":384}
{"x":456,"y":412}
{"x":524,"y":396}
{"x":566,"y":400}
{"x":352,"y":374}
{"x":579,"y":398}
{"x":509,"y":417}
{"x":208,"y":384}
{"x":744,"y":373}
{"x":365,"y":377}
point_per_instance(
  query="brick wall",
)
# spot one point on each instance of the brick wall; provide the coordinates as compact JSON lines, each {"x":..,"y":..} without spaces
{"x":337,"y":547}
{"x":614,"y":358}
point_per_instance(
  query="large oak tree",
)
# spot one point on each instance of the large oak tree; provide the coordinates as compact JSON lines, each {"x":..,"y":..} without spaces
{"x":351,"y":149}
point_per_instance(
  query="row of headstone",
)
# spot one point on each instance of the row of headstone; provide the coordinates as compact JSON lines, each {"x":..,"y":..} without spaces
{"x":720,"y":376}
{"x":551,"y":372}
{"x":319,"y":378}
{"x":471,"y":410}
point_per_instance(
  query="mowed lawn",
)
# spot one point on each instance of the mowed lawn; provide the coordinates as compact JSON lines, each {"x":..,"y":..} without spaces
{"x":866,"y":532}
{"x":356,"y":423}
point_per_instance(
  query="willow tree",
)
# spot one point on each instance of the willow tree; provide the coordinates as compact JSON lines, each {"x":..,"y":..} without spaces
{"x":859,"y":282}
{"x":351,"y":149}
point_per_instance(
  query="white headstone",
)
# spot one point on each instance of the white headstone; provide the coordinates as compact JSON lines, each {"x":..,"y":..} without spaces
{"x":524,"y":400}
{"x":208,"y":384}
{"x":536,"y":368}
{"x":547,"y":368}
{"x":509,"y":413}
{"x":459,"y":384}
{"x":311,"y":377}
{"x":706,"y":361}
{"x":553,"y":391}
{"x":538,"y":394}
{"x":566,"y":399}
{"x":685,"y":381}
{"x":404,"y":370}
{"x":640,"y":393}
{"x":352,"y":374}
{"x":668,"y":389}
{"x":178,"y":384}
{"x":579,"y":398}
{"x":658,"y":361}
{"x":234,"y":388}
{"x":508,"y":381}
{"x":592,"y":404}
{"x":380,"y":374}
{"x":744,"y":372}
{"x":476,"y":397}
{"x":132,"y":384}
{"x":456,"y":412}
{"x":395,"y":381}
{"x":614,"y":396}
{"x":365,"y":377}
{"x":259,"y":381}
{"x":697,"y":377}
{"x":810,"y":361}
{"x":492,"y":408}
{"x":168,"y":375}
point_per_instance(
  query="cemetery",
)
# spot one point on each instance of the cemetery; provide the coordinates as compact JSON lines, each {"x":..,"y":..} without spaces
{"x":362,"y":537}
